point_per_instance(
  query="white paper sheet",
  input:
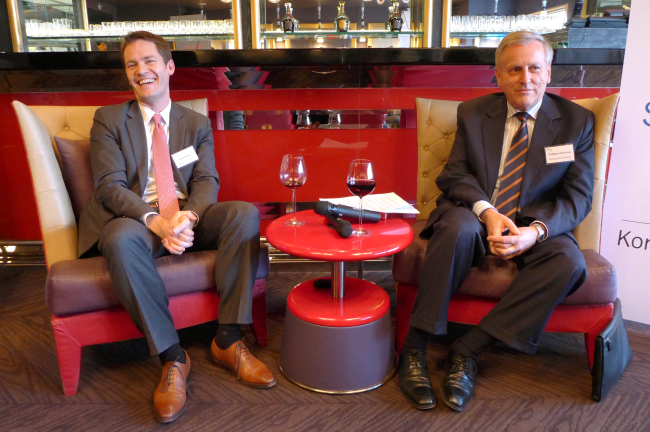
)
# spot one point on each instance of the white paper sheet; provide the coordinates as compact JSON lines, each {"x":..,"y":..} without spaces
{"x":383,"y":203}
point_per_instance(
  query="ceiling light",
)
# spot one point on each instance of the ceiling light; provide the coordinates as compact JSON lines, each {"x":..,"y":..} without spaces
{"x":319,"y":39}
{"x":226,"y":1}
{"x":279,"y":39}
{"x":362,"y":39}
{"x":11,"y":248}
{"x":274,"y":1}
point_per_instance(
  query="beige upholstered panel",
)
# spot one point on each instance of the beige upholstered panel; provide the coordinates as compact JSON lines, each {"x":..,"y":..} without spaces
{"x":39,"y":125}
{"x":588,"y":232}
{"x":198,"y":105}
{"x":58,"y":227}
{"x":436,"y":121}
{"x":436,"y":133}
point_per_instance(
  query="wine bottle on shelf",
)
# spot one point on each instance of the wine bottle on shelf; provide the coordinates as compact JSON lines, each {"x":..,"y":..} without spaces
{"x":342,"y":22}
{"x":319,"y":24}
{"x":289,"y":23}
{"x":395,"y":20}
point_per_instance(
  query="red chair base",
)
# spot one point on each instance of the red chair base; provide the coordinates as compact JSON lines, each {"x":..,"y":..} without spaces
{"x":588,"y":319}
{"x":71,"y":332}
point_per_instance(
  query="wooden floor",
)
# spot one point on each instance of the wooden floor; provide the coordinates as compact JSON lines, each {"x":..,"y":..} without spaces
{"x":515,"y":392}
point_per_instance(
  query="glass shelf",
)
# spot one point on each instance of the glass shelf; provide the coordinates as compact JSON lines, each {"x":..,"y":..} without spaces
{"x":313,"y":34}
{"x":469,"y":35}
{"x":183,"y":37}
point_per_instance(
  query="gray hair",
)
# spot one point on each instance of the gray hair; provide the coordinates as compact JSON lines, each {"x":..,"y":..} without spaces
{"x":524,"y":38}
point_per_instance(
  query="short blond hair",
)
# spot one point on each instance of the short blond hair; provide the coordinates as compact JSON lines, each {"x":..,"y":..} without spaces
{"x":524,"y":38}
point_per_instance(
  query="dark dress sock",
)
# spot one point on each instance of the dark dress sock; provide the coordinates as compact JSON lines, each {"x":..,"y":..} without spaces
{"x":172,"y":354}
{"x":227,"y":334}
{"x":416,"y":340}
{"x":473,"y":343}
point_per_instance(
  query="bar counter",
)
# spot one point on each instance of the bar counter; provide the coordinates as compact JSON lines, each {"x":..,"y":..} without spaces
{"x":368,"y":95}
{"x":301,"y":57}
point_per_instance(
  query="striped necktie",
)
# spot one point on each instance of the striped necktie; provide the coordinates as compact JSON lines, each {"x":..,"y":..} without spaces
{"x":508,"y":198}
{"x":162,"y":165}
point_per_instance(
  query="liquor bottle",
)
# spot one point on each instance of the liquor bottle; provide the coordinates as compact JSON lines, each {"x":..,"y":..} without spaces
{"x":342,"y":22}
{"x":395,"y":20}
{"x":289,"y":23}
{"x":390,"y":14}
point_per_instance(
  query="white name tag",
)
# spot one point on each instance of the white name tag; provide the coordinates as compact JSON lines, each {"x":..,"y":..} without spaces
{"x":559,"y":153}
{"x":185,"y":157}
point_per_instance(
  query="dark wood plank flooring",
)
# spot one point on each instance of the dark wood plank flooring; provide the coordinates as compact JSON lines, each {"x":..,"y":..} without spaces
{"x":515,"y":392}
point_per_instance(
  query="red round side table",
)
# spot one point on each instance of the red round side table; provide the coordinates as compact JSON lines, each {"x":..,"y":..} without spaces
{"x":337,"y":340}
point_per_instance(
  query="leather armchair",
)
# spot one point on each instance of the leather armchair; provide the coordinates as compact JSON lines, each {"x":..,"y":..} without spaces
{"x":587,"y":311}
{"x":85,"y":309}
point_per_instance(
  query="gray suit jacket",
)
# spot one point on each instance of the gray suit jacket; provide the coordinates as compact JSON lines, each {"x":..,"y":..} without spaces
{"x":118,"y":154}
{"x":558,"y":194}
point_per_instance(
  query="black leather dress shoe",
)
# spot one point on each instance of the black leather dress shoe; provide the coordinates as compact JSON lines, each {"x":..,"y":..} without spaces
{"x":414,"y":379}
{"x":457,"y":387}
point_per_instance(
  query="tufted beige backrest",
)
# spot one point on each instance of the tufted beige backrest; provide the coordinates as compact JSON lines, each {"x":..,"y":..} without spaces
{"x":436,"y":130}
{"x":39,"y":125}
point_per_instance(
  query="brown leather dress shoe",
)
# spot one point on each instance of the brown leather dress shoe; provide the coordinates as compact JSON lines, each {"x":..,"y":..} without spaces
{"x":249,"y":370}
{"x":169,"y":400}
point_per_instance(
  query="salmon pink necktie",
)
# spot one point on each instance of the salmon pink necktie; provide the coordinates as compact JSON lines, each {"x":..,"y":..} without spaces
{"x":167,"y":201}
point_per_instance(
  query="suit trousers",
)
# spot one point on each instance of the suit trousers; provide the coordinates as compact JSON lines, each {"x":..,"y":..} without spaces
{"x":232,"y":228}
{"x":548,"y":272}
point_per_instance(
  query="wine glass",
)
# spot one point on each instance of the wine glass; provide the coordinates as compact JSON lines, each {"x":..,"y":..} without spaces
{"x":293,"y":174}
{"x":361,"y":182}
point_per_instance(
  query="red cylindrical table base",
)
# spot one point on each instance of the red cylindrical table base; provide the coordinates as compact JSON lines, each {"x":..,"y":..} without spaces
{"x":354,"y":354}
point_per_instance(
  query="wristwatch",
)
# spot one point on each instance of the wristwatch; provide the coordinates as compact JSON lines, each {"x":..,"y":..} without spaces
{"x":540,"y":231}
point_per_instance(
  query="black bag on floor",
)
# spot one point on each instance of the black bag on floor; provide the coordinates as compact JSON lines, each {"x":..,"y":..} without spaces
{"x":611,"y":356}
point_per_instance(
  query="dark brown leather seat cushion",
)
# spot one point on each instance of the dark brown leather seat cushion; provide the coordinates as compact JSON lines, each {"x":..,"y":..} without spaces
{"x":84,"y":285}
{"x":77,"y":173}
{"x":493,"y":276}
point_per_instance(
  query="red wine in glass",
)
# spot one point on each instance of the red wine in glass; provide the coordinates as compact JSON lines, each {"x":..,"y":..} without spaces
{"x":361,"y":182}
{"x":361,"y":188}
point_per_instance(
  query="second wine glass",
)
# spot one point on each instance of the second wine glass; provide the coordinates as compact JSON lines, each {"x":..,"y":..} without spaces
{"x":293,"y":174}
{"x":361,"y":182}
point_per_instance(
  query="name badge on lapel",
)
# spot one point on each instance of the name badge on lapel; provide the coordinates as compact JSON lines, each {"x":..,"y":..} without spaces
{"x":185,"y":157}
{"x":559,"y":153}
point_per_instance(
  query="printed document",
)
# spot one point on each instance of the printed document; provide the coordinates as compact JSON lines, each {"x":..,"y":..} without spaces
{"x":383,"y":203}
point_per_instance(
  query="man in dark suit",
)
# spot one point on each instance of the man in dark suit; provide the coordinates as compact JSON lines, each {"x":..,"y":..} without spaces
{"x":519,"y":178}
{"x":156,"y":188}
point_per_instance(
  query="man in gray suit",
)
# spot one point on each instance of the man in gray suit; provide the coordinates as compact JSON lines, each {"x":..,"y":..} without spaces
{"x":146,"y":206}
{"x":519,"y":178}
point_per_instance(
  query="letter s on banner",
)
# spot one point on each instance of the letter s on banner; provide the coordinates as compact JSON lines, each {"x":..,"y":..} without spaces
{"x":647,"y":108}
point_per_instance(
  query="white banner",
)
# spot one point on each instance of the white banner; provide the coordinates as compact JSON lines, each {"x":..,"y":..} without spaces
{"x":626,"y":219}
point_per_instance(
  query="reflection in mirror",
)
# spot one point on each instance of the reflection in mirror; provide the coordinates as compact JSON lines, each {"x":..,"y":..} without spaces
{"x":318,"y":119}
